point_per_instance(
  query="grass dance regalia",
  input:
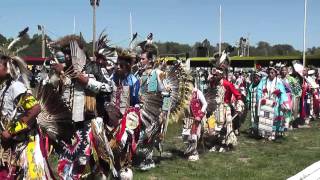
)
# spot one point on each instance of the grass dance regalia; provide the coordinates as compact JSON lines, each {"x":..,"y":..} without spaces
{"x":272,"y":98}
{"x":219,"y":134}
{"x":151,"y":100}
{"x":160,"y":95}
{"x":68,"y":97}
{"x":21,"y":147}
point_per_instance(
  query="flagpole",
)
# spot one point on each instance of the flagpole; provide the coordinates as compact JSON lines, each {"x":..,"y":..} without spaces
{"x":74,"y":24}
{"x":220,"y":30}
{"x":94,"y":30}
{"x":43,"y":52}
{"x":131,"y":33}
{"x":304,"y":32}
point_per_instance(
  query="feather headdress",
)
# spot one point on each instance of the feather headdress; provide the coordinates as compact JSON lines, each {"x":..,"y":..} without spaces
{"x":221,"y":61}
{"x":64,"y":42}
{"x":147,"y":46}
{"x":103,"y":50}
{"x":73,"y":46}
{"x":16,"y":66}
{"x":298,"y":67}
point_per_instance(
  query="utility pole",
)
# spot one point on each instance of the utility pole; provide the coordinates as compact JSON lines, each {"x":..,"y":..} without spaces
{"x":43,"y":54}
{"x":304,"y":32}
{"x":220,"y":24}
{"x":74,"y":24}
{"x":94,"y":4}
{"x":248,"y":41}
{"x":43,"y":40}
{"x":238,"y":47}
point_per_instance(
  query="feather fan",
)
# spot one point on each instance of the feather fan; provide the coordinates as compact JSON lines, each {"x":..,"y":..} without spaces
{"x":55,"y":118}
{"x":78,"y":57}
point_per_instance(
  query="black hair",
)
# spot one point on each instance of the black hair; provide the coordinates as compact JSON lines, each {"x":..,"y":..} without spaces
{"x":149,"y":55}
{"x":4,"y":59}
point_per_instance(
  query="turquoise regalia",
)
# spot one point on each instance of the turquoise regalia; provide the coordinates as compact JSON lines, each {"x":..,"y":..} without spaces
{"x":271,"y":96}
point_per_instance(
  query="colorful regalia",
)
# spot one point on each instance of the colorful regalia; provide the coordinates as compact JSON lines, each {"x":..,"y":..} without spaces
{"x":192,"y":123}
{"x":293,"y":91}
{"x":21,"y":150}
{"x":305,"y":102}
{"x":252,"y":102}
{"x":271,"y":96}
{"x":153,"y":115}
{"x":69,"y":124}
{"x":158,"y":95}
{"x":221,"y":136}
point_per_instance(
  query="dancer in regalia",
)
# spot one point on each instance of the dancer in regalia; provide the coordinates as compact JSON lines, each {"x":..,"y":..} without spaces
{"x":193,"y":123}
{"x":151,"y":96}
{"x":272,"y":98}
{"x":71,"y":86}
{"x":21,"y":146}
{"x":222,"y":136}
{"x":251,"y":101}
{"x":293,"y":91}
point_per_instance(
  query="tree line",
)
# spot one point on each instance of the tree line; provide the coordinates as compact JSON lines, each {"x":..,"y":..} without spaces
{"x":198,"y":49}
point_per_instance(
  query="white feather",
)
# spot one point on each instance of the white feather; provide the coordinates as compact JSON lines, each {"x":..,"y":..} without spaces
{"x":13,"y":43}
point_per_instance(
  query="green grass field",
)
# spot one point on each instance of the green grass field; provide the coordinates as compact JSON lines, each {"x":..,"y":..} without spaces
{"x":252,"y":159}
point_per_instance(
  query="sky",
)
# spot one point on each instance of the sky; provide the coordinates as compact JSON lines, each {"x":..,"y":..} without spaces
{"x":183,"y":21}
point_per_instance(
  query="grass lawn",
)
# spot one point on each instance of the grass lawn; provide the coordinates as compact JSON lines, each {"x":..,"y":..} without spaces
{"x":252,"y":159}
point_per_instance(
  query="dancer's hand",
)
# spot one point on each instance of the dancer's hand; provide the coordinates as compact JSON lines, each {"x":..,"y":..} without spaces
{"x":82,"y":79}
{"x":5,"y":135}
{"x":58,"y":68}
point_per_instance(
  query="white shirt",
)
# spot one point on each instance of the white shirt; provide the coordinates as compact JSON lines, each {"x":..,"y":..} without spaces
{"x":10,"y":98}
{"x":202,"y":99}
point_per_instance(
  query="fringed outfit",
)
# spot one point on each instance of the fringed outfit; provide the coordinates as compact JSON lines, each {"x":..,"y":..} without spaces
{"x":75,"y":151}
{"x":222,"y":134}
{"x":252,"y":102}
{"x":272,"y":98}
{"x":22,"y":155}
{"x":192,"y":124}
{"x":153,"y":116}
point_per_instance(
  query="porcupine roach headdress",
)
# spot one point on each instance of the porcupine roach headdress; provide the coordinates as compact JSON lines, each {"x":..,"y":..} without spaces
{"x":147,"y":46}
{"x":103,"y":50}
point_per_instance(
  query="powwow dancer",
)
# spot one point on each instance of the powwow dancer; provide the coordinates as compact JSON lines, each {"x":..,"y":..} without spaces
{"x":293,"y":91}
{"x":252,"y":101}
{"x":192,"y":124}
{"x":151,"y":98}
{"x":159,"y":96}
{"x":77,"y":91}
{"x":115,"y":136}
{"x":20,"y":149}
{"x":221,"y":136}
{"x":305,"y":100}
{"x":271,"y":96}
{"x":123,"y":120}
{"x":313,"y":94}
